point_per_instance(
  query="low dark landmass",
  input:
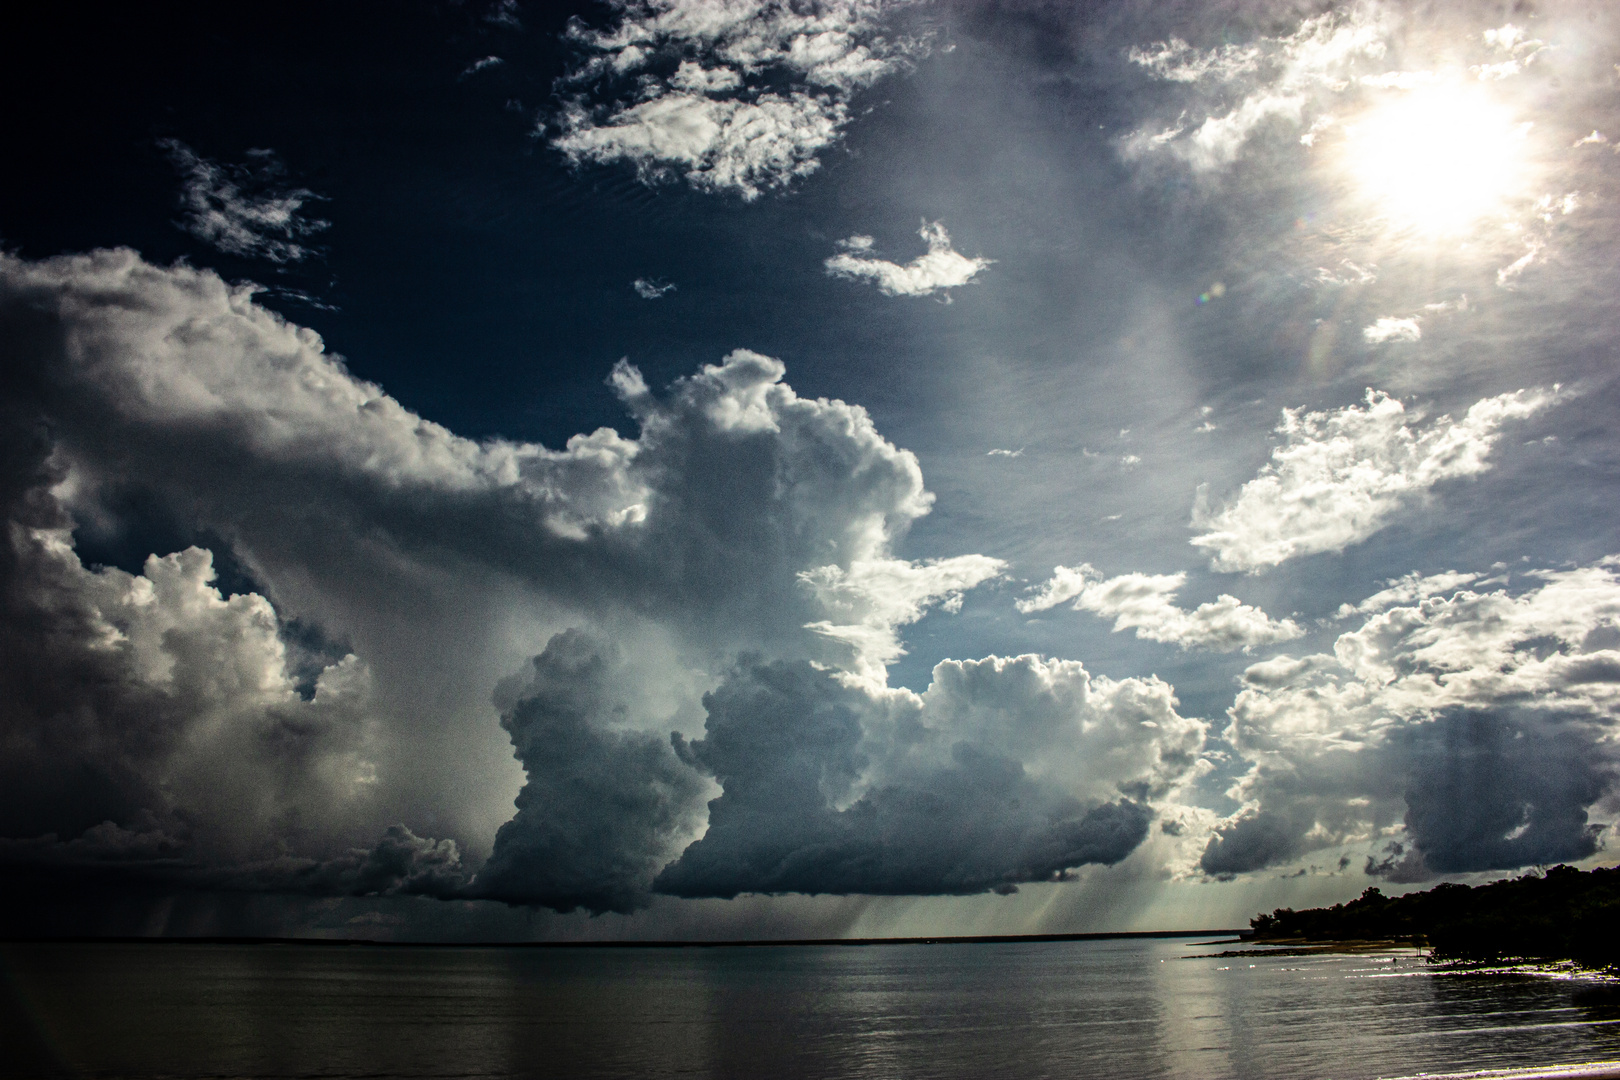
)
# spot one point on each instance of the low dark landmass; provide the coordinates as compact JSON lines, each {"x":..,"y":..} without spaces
{"x":1370,"y":945}
{"x":1564,"y":914}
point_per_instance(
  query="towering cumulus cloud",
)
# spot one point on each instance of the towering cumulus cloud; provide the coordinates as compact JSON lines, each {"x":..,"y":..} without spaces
{"x":412,"y":609}
{"x":988,"y":779}
{"x":603,"y":809}
{"x":1475,"y":728}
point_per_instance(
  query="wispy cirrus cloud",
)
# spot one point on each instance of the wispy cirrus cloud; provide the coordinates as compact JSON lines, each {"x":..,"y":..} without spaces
{"x":244,"y":209}
{"x":1271,"y":78}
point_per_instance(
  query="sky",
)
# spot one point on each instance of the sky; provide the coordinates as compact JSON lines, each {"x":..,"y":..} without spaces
{"x":677,"y":469}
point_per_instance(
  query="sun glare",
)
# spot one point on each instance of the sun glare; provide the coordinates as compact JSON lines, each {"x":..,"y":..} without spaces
{"x":1437,"y":160}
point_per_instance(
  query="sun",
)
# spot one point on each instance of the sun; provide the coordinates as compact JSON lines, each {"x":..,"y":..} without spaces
{"x":1437,"y":160}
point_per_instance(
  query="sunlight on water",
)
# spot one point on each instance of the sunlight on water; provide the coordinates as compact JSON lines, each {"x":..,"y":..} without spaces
{"x":1124,"y":1009}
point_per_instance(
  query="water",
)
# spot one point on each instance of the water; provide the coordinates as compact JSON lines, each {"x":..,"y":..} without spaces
{"x":1120,"y":1009}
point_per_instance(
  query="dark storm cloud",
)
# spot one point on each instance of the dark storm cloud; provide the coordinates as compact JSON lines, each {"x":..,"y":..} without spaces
{"x":784,"y":741}
{"x":120,"y":860}
{"x":1475,"y":725}
{"x":603,"y":809}
{"x":1504,"y":789}
{"x":155,"y":704}
{"x":1253,"y":843}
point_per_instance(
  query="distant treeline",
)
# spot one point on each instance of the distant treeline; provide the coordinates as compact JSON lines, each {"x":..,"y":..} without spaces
{"x":1564,"y":914}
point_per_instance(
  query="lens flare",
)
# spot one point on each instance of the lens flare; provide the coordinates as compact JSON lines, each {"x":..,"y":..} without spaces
{"x":1437,"y":161}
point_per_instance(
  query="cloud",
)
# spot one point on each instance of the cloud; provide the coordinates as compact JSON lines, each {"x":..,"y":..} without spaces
{"x":1007,"y":770}
{"x":243,"y":209}
{"x":1404,"y":590}
{"x":651,"y":290}
{"x":941,"y":268}
{"x":504,"y":13}
{"x":1477,"y":729}
{"x":1545,"y":217}
{"x":1389,"y":328}
{"x":154,"y":700}
{"x":483,"y":64}
{"x":1145,"y":603}
{"x":1347,"y":273}
{"x":869,"y":601}
{"x":603,"y":807}
{"x":1272,"y":79}
{"x":740,"y":518}
{"x":759,"y":88}
{"x":1339,"y":476}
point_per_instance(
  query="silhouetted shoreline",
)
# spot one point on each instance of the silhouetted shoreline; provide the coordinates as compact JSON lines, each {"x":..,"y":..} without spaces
{"x":1564,"y":914}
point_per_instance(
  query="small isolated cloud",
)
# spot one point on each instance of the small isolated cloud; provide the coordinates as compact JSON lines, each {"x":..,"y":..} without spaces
{"x":1146,"y":603}
{"x":651,"y":289}
{"x":940,"y":269}
{"x":759,"y":88}
{"x":1389,"y":328}
{"x":504,"y":13}
{"x":1339,"y":476}
{"x":1347,"y":273}
{"x":482,"y":65}
{"x":1006,"y":453}
{"x":243,"y":209}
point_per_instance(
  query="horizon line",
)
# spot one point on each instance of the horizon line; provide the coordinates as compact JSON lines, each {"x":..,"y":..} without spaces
{"x":936,"y":939}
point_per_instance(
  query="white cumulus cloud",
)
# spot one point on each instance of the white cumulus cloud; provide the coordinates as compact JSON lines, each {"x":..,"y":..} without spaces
{"x":1389,"y":328}
{"x":1339,"y":476}
{"x":1146,"y":603}
{"x":760,"y":88}
{"x":425,"y":606}
{"x":941,"y":268}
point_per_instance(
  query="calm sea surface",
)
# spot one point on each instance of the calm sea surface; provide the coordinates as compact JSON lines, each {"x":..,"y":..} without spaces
{"x":1116,"y":1009}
